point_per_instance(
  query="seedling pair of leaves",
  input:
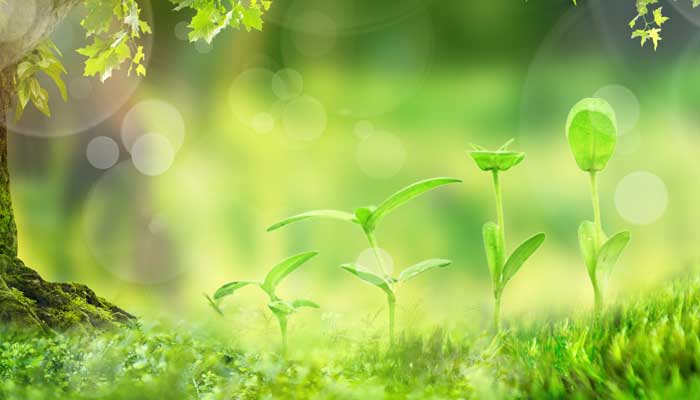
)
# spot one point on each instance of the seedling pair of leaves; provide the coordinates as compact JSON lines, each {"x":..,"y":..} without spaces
{"x":502,"y":269}
{"x":281,"y":309}
{"x":368,"y":218}
{"x":591,"y":129}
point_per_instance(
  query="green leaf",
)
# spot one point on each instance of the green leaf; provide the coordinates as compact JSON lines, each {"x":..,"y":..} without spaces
{"x":520,"y":255}
{"x":609,"y":254}
{"x":588,"y":245}
{"x":499,"y":160}
{"x":286,"y":267}
{"x":229,"y":288}
{"x":591,"y":129}
{"x":213,"y":304}
{"x":369,"y":277}
{"x":332,"y":214}
{"x":423,"y":266}
{"x":403,"y":196}
{"x":304,"y":303}
{"x":281,"y":308}
{"x":252,"y":19}
{"x":495,"y":252}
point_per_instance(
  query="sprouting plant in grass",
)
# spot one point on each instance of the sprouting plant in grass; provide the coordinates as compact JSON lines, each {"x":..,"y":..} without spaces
{"x":591,"y":129}
{"x":389,"y":285}
{"x":502,"y":270}
{"x":282,"y":309}
{"x":368,"y":218}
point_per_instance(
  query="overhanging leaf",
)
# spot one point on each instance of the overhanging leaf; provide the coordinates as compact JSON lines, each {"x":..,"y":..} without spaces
{"x":332,"y":214}
{"x":588,"y":245}
{"x":369,"y":277}
{"x":520,"y":255}
{"x":229,"y":288}
{"x":403,"y":196}
{"x":283,"y":269}
{"x":610,"y":253}
{"x":423,"y":266}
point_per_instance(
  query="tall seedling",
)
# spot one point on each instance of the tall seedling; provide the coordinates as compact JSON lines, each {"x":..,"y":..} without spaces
{"x":502,"y":270}
{"x":281,"y":309}
{"x":591,"y":129}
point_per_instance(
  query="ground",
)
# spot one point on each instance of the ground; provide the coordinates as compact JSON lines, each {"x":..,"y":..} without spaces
{"x":642,"y":348}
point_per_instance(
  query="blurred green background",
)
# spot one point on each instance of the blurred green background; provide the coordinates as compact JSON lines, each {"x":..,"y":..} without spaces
{"x":337,"y":104}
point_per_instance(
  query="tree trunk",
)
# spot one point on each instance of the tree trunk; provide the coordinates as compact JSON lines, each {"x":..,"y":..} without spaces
{"x":26,"y":300}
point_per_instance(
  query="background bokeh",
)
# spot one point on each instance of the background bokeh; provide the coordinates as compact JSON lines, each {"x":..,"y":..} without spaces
{"x":154,"y":190}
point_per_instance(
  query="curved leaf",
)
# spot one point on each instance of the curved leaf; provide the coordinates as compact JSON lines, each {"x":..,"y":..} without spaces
{"x":304,"y":303}
{"x":402,"y":196}
{"x":330,"y":214}
{"x":591,"y":128}
{"x":369,"y":277}
{"x":213,"y":304}
{"x":281,"y":308}
{"x":496,"y":160}
{"x":610,"y":253}
{"x":229,"y":288}
{"x":285,"y":268}
{"x":587,"y":243}
{"x":520,"y":255}
{"x":423,"y":266}
{"x":495,"y":253}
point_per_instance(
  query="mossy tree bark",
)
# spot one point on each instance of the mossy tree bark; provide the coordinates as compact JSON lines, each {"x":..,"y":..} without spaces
{"x":27,"y":300}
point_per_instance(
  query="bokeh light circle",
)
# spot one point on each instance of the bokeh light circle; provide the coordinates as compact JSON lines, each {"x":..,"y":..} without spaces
{"x":368,"y":260}
{"x":625,"y":104}
{"x":641,"y":198}
{"x":304,"y":118}
{"x":102,"y":152}
{"x":251,"y":94}
{"x":153,"y":116}
{"x":381,"y":155}
{"x":152,"y":154}
{"x":363,"y":129}
{"x":313,"y":33}
{"x":287,"y":84}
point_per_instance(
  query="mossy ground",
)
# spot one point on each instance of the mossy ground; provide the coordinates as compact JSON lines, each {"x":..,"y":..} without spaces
{"x":642,"y":348}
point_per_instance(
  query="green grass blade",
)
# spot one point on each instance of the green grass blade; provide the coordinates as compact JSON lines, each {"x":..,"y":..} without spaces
{"x":403,"y":196}
{"x":520,"y":255}
{"x":229,"y":288}
{"x":423,"y":266}
{"x":329,"y":214}
{"x":587,"y":243}
{"x":610,"y":253}
{"x":285,"y":268}
{"x":369,"y":277}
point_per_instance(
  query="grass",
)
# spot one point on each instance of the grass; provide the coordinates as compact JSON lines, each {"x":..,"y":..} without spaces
{"x":642,"y":348}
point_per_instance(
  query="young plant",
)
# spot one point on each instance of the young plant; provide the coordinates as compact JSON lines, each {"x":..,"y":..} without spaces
{"x":368,"y":218}
{"x":591,"y":129}
{"x":281,"y":309}
{"x":502,"y":270}
{"x":389,"y":285}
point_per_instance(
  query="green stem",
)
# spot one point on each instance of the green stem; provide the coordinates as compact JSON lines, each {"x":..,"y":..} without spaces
{"x":499,"y":206}
{"x":392,"y":318}
{"x":375,"y":249}
{"x":598,"y":298}
{"x":497,"y":313}
{"x":596,"y":207}
{"x":283,"y":329}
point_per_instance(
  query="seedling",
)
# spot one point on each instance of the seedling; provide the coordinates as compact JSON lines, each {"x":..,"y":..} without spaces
{"x":591,"y":129}
{"x":282,"y":309}
{"x":494,"y":233}
{"x":368,"y":218}
{"x":389,"y":285}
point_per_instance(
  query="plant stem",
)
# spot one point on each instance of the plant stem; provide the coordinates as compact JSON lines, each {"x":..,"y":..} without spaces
{"x":391,"y":299}
{"x":497,"y":313}
{"x":499,"y":207}
{"x":375,"y":249}
{"x":596,"y":208}
{"x":283,"y":329}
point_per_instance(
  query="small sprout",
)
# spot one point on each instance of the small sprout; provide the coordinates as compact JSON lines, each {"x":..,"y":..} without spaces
{"x":368,"y":218}
{"x":502,"y":269}
{"x":389,"y":285}
{"x":280,"y":308}
{"x":591,"y":129}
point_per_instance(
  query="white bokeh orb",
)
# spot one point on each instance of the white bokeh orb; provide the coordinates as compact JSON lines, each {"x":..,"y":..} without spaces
{"x":153,"y":115}
{"x":263,"y":122}
{"x":625,"y":104}
{"x":102,"y":152}
{"x":287,"y":84}
{"x":152,"y":154}
{"x":381,"y":155}
{"x":368,"y":260}
{"x":304,"y":118}
{"x":641,"y":198}
{"x":363,"y":129}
